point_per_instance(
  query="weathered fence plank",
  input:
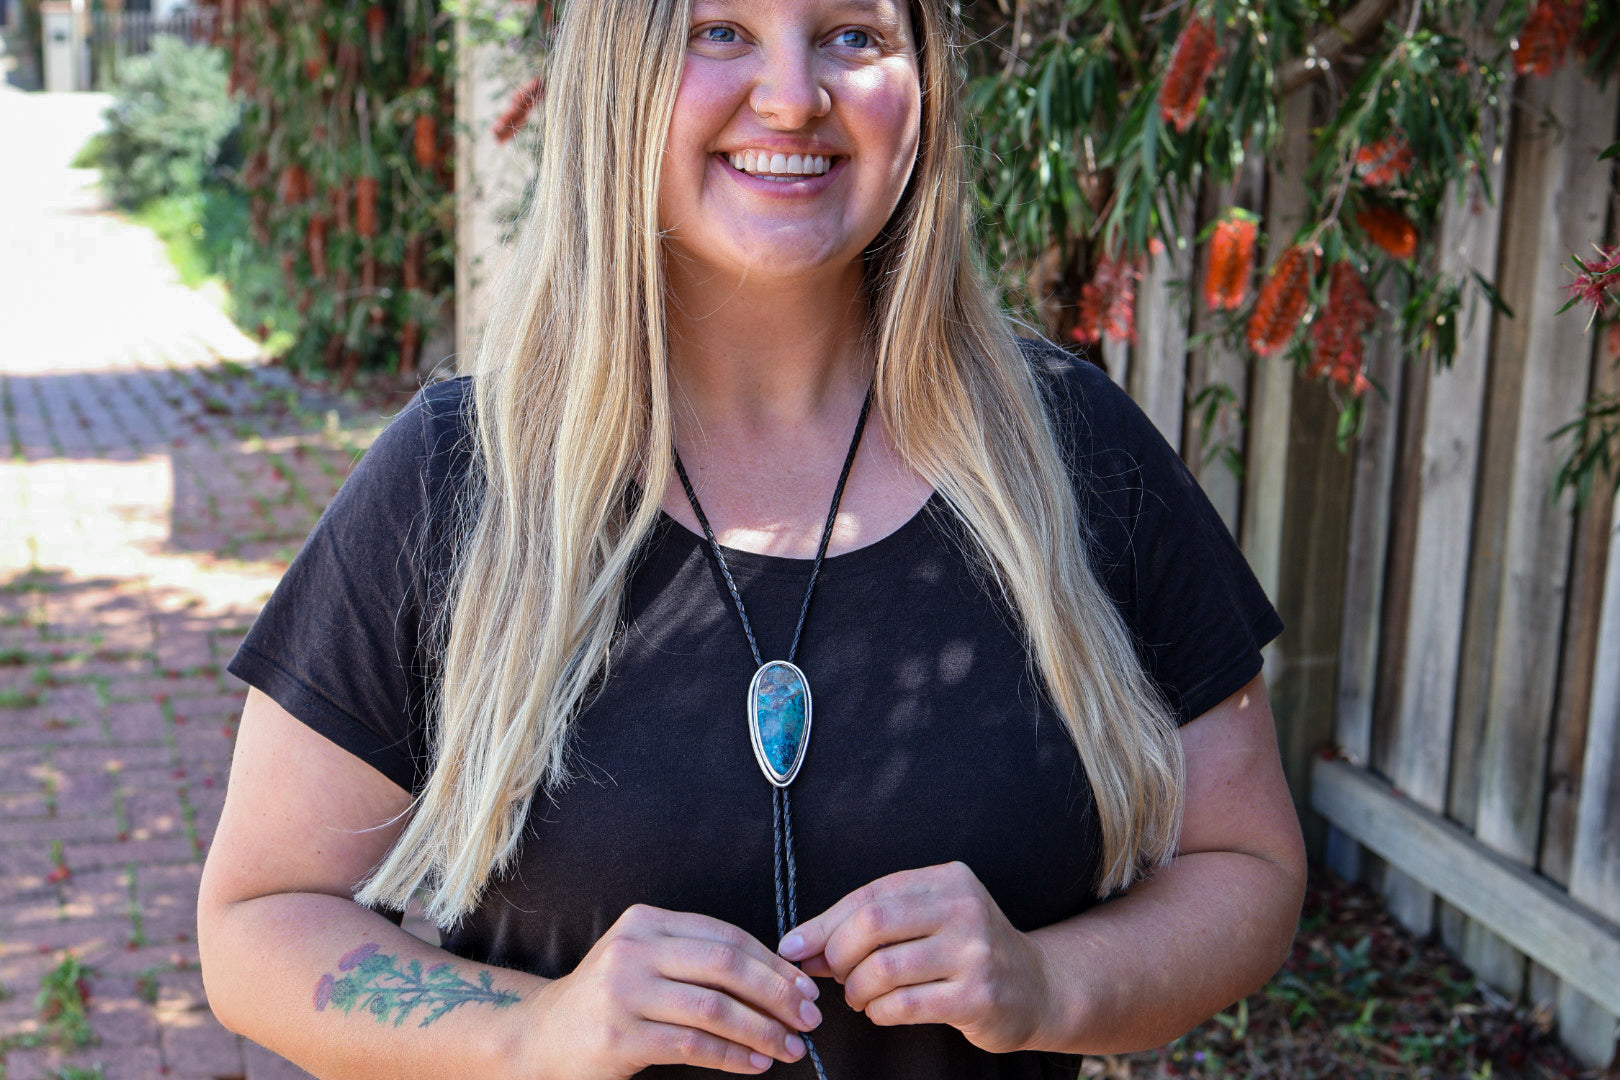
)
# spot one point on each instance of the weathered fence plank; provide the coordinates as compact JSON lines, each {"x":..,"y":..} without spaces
{"x":1422,"y":701}
{"x":1271,"y":385}
{"x":1158,"y":374}
{"x":1518,"y":718}
{"x":1587,"y":1026}
{"x":1368,"y":546}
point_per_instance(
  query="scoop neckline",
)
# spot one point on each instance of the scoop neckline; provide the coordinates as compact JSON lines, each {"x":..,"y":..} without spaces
{"x":867,"y":556}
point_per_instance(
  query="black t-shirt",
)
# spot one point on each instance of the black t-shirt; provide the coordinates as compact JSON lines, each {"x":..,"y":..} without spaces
{"x":932,"y":741}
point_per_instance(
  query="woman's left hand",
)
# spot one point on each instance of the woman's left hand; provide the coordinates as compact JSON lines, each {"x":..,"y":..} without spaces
{"x":930,"y":946}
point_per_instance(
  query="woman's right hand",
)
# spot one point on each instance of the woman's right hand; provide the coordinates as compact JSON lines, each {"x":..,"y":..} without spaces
{"x":671,"y":988}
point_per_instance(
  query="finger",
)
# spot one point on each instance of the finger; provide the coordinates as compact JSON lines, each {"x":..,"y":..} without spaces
{"x":685,"y":924}
{"x":816,"y":967}
{"x":926,"y":1003}
{"x":887,"y":969}
{"x":880,"y":923}
{"x":744,"y":976}
{"x":810,"y":937}
{"x":706,"y":1010}
{"x":673,"y":1044}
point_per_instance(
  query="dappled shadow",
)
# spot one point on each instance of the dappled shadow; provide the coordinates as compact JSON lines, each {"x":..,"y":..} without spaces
{"x":226,"y":461}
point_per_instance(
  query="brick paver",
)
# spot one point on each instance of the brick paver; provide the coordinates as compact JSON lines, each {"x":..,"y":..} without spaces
{"x":154,"y":479}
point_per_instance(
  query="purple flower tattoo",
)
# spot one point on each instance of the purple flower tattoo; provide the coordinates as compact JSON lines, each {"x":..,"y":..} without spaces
{"x":323,"y":992}
{"x":376,"y":984}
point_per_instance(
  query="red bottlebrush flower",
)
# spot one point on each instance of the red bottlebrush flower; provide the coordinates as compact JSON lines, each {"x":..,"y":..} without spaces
{"x":1283,"y":300}
{"x":517,"y":113}
{"x":258,"y":169}
{"x":1598,"y":282}
{"x":1195,"y":56}
{"x":1231,"y":263}
{"x":1108,"y":303}
{"x":426,"y":141}
{"x":411,"y":268}
{"x":1386,"y":160}
{"x":1337,"y":345}
{"x":1389,"y":229}
{"x":365,"y":217}
{"x":1543,"y":45}
{"x":294,"y":184}
{"x":410,"y":345}
{"x":313,"y":67}
{"x":315,"y":244}
{"x":376,"y":22}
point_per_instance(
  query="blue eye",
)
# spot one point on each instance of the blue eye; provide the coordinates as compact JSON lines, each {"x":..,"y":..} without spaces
{"x":855,"y":39}
{"x":720,"y":35}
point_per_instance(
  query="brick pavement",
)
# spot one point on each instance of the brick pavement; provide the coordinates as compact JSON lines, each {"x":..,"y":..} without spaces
{"x":154,"y":479}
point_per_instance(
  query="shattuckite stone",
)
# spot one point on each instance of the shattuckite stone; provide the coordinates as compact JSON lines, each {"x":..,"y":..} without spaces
{"x":780,"y":714}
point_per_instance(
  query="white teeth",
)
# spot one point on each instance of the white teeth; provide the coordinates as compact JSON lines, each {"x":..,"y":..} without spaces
{"x":762,"y":163}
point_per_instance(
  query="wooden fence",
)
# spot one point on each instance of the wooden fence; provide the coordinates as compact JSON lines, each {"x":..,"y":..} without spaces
{"x":1448,"y":689}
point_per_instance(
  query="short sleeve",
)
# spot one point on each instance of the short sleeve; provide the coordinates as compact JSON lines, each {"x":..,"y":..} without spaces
{"x":1159,"y":548}
{"x":340,"y":643}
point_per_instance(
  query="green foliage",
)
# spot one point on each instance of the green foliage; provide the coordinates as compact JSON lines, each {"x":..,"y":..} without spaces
{"x":347,"y":123}
{"x":168,"y":124}
{"x":204,"y":231}
{"x":64,"y":1002}
{"x":79,"y":1072}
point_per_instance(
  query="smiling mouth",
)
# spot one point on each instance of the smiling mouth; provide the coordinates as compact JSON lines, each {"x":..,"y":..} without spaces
{"x":785,"y":167}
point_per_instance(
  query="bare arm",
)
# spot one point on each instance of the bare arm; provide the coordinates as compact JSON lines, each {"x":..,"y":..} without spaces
{"x":293,"y":963}
{"x":1207,"y":929}
{"x":302,"y":825}
{"x":931,"y":946}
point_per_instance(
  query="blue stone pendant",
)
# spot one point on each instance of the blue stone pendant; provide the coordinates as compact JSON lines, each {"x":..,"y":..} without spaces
{"x":779,"y":720}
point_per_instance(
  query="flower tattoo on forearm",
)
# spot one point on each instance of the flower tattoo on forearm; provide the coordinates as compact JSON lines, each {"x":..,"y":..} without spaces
{"x":375,"y":983}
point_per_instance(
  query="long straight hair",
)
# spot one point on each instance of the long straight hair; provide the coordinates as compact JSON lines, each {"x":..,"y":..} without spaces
{"x":574,"y":441}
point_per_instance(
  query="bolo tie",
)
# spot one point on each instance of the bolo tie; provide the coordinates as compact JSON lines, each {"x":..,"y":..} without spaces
{"x":778,"y":704}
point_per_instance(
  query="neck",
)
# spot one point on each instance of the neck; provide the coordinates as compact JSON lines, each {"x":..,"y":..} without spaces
{"x":763,"y":356}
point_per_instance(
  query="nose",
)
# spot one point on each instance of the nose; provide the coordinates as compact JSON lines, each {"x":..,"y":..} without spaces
{"x":789,"y":93}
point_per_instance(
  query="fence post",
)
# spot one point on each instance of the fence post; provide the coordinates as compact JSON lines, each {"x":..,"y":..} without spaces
{"x":64,"y":45}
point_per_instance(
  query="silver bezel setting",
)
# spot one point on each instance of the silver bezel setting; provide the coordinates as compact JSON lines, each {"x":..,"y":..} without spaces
{"x":753,"y":725}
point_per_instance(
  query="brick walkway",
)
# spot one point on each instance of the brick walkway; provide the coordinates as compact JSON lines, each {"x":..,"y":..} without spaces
{"x":154,"y":480}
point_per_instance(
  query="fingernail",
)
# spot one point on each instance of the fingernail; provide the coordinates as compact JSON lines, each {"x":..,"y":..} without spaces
{"x":795,"y":1046}
{"x":791,"y":946}
{"x":811,"y":1014}
{"x":807,"y":986}
{"x":759,"y":1060}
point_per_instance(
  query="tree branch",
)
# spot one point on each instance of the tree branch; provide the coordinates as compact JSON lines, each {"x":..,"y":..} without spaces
{"x":1358,"y":24}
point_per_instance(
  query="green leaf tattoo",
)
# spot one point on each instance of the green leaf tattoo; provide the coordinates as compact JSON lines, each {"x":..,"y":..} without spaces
{"x":375,"y":984}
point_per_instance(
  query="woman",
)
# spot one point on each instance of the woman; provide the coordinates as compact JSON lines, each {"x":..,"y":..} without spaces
{"x":511,"y":667}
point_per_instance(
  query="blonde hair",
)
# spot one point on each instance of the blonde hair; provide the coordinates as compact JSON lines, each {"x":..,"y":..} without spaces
{"x":574,"y":440}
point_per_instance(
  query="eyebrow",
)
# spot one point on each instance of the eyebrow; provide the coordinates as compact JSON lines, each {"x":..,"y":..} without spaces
{"x":873,"y":8}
